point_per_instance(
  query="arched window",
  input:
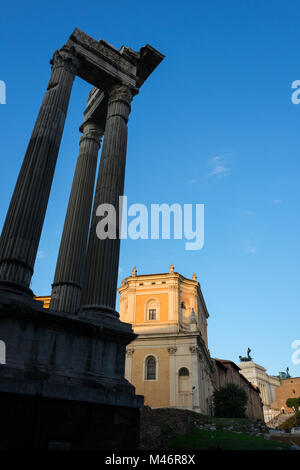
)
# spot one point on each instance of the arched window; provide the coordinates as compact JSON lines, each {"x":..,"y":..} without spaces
{"x":184,"y":372}
{"x":184,"y":379}
{"x":150,"y":368}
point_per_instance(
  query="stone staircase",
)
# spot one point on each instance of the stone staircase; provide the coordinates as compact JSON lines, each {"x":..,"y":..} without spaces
{"x":279,"y":419}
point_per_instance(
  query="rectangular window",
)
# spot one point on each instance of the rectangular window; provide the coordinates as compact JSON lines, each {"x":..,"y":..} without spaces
{"x":152,"y":314}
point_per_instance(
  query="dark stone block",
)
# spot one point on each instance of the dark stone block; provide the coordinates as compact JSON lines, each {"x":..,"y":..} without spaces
{"x":41,"y":423}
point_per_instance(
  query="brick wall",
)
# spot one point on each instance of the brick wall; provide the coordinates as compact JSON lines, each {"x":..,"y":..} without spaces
{"x":289,"y":388}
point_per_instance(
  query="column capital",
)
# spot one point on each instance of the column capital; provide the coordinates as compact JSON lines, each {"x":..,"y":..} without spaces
{"x":66,"y":58}
{"x":172,"y":350}
{"x":120,"y":93}
{"x":194,"y":349}
{"x":92,"y":132}
{"x":119,"y":102}
{"x":129,"y":352}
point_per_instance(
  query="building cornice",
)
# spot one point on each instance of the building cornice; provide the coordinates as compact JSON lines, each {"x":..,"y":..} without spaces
{"x":131,"y":281}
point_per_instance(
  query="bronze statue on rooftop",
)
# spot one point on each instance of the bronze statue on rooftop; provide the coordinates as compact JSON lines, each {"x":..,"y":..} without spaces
{"x":247,"y":358}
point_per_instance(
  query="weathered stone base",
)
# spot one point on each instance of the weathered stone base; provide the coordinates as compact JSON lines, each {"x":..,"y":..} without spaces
{"x":36,"y":422}
{"x":63,"y":381}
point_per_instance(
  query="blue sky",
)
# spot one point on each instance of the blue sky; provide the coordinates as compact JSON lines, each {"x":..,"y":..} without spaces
{"x":214,"y":124}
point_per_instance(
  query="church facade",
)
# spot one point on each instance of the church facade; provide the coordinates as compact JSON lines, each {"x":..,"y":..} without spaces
{"x":169,"y":362}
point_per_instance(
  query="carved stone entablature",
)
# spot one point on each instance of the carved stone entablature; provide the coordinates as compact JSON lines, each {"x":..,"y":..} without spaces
{"x":194,"y":349}
{"x":65,"y":58}
{"x":129,"y":352}
{"x":172,"y":350}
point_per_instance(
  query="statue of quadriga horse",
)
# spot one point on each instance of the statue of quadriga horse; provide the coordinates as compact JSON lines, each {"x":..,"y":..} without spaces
{"x":243,"y":358}
{"x":246,"y":358}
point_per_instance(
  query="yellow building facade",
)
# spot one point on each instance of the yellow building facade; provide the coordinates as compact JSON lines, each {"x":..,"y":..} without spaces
{"x":169,"y":362}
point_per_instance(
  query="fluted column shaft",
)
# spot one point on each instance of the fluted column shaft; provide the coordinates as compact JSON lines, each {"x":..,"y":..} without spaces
{"x":25,"y":217}
{"x":101,"y":275}
{"x":67,"y":284}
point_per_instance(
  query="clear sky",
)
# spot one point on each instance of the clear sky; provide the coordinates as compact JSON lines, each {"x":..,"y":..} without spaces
{"x":214,"y":124}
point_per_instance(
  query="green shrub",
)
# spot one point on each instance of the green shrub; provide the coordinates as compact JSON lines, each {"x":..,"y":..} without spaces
{"x":293,"y":403}
{"x":230,"y":402}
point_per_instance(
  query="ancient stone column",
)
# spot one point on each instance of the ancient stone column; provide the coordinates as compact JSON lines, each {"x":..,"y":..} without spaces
{"x":101,"y":275}
{"x":25,"y":217}
{"x":67,"y":284}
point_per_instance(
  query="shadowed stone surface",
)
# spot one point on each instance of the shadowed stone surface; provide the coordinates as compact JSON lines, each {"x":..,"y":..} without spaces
{"x":39,"y":423}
